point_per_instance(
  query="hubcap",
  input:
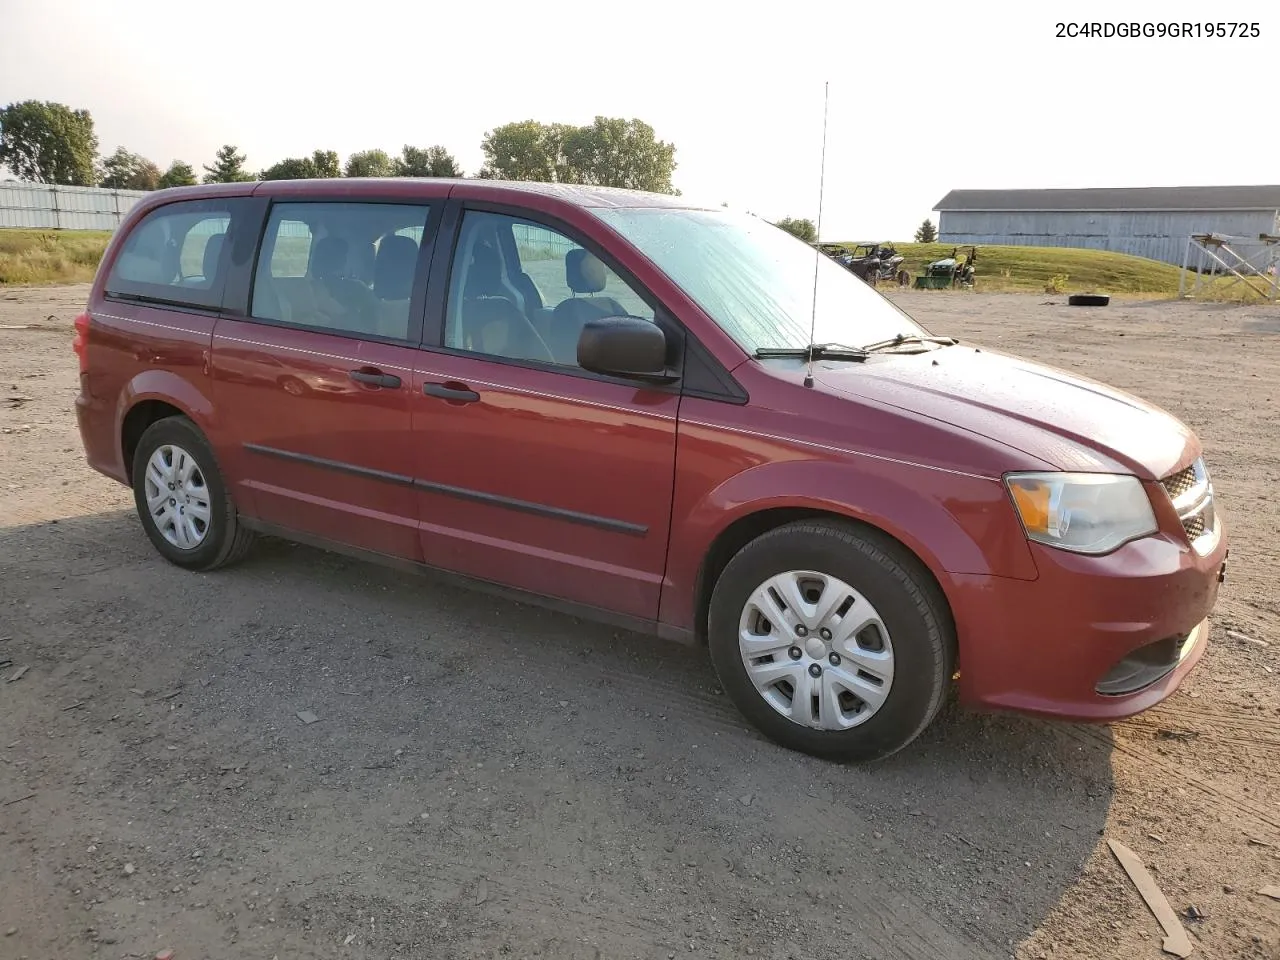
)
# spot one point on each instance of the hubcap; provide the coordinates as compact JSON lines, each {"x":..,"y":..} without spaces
{"x":177,"y":497}
{"x":816,"y":650}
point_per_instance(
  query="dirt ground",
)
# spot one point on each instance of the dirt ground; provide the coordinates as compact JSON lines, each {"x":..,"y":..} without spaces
{"x":490,"y":780}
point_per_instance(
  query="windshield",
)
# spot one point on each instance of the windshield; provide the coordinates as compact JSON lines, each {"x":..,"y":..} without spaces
{"x":757,"y":281}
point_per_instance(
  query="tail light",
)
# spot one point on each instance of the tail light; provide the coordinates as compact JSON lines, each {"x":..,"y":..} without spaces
{"x":81,"y":342}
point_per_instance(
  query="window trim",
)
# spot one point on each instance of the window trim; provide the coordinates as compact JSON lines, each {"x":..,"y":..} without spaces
{"x":152,"y":294}
{"x":421,"y":271}
{"x":442,"y":275}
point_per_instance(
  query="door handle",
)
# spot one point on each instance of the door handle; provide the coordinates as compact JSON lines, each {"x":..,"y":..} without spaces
{"x":374,"y":378}
{"x":455,"y":393}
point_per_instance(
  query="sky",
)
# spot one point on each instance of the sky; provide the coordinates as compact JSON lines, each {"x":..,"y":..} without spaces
{"x":922,"y":99}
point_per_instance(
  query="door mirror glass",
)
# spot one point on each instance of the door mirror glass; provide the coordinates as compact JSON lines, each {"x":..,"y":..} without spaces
{"x":623,"y":347}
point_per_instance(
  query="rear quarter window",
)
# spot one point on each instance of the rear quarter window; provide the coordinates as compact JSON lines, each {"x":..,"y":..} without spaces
{"x":177,"y":254}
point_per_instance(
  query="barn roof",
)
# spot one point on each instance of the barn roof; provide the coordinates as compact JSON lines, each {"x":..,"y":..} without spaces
{"x":1115,"y":198}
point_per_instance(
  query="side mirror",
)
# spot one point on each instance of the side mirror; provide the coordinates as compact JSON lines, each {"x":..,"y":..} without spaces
{"x":624,"y":347}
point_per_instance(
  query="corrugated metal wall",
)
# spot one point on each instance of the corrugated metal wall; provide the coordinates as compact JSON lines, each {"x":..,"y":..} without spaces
{"x":1154,"y":235}
{"x":44,"y":206}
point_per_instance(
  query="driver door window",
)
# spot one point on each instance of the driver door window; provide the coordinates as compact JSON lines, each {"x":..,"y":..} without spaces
{"x":522,"y":291}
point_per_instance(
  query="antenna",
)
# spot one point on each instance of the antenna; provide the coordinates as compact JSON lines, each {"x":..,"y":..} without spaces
{"x":817,"y":251}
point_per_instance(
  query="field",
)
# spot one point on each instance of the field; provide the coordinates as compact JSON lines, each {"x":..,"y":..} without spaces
{"x":37,"y":257}
{"x":1010,"y":269}
{"x":50,"y":256}
{"x":488,"y":780}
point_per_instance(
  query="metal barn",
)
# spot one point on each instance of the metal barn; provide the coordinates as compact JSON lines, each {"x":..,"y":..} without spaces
{"x":1152,"y":222}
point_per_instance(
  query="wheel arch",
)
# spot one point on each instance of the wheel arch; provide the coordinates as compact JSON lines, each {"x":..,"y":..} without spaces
{"x":151,"y":396}
{"x":744,"y":529}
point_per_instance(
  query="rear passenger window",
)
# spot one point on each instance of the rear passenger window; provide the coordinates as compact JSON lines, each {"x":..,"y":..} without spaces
{"x":177,"y":254}
{"x":342,"y":267}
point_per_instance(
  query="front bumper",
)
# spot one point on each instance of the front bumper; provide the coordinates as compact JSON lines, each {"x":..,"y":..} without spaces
{"x":1093,"y":638}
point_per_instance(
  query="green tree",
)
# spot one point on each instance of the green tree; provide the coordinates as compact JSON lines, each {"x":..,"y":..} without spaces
{"x":804,"y":229}
{"x":290,"y":168}
{"x":426,"y":162}
{"x":524,"y":150}
{"x":321,"y":164}
{"x":129,"y":171}
{"x":228,"y":168}
{"x":613,"y":152}
{"x":608,"y":152}
{"x":326,"y":163}
{"x":179,"y":174}
{"x":48,"y":143}
{"x":926,"y":232}
{"x":370,"y":163}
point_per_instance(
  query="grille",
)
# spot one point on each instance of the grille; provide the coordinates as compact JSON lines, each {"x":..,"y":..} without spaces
{"x":1179,"y":483}
{"x":1194,"y":526}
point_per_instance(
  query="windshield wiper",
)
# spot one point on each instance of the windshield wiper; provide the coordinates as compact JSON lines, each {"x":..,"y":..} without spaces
{"x":815,"y":351}
{"x":905,"y":338}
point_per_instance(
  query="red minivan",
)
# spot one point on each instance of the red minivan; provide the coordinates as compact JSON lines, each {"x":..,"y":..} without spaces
{"x":654,"y":414}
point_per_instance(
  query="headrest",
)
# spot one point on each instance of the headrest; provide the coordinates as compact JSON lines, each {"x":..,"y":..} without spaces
{"x":485,"y":275}
{"x":329,"y":258}
{"x":393,"y":270}
{"x":212,"y":254}
{"x":583,"y":272}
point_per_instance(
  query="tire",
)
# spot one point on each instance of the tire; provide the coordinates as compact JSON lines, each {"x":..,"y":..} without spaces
{"x":1088,"y":300}
{"x":915,"y":629}
{"x":215,"y":541}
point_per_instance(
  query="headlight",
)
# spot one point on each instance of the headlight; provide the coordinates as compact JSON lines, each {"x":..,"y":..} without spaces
{"x":1082,"y":512}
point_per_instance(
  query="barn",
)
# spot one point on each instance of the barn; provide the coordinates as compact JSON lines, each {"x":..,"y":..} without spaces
{"x":1152,"y":222}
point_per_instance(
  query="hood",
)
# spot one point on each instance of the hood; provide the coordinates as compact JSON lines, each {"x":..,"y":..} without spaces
{"x":1067,"y":421}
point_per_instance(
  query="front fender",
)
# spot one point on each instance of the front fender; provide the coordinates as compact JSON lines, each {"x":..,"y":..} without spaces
{"x":955,"y":523}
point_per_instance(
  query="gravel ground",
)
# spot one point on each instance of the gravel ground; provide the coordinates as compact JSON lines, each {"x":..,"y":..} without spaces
{"x":490,"y":780}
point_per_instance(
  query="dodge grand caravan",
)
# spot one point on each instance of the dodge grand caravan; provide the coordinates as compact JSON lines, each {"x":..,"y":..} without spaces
{"x":633,"y":409}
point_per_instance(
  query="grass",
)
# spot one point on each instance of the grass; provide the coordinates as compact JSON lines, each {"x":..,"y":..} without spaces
{"x":50,"y":256}
{"x":1033,"y":269}
{"x":71,"y":256}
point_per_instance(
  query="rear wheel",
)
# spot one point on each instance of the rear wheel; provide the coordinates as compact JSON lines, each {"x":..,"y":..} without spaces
{"x":832,"y":640}
{"x":182,"y":501}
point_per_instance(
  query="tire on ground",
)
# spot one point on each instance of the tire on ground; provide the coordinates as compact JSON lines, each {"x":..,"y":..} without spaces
{"x":912,"y":607}
{"x":1088,"y":300}
{"x":227,"y":540}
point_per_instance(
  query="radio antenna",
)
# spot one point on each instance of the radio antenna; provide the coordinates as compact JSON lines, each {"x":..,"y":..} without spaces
{"x":817,"y":251}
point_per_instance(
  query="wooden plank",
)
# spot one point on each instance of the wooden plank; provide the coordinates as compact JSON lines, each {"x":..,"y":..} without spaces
{"x":1176,"y":940}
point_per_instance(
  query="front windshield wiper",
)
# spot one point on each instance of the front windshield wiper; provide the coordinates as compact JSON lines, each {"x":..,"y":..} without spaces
{"x":906,"y":338}
{"x":815,"y":351}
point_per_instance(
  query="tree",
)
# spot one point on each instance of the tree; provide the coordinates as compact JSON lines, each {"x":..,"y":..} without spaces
{"x":609,"y":152}
{"x":804,"y":229}
{"x":48,"y":142}
{"x":290,"y":168}
{"x":326,"y":163}
{"x":524,"y":150}
{"x":370,"y":163}
{"x":426,"y":162}
{"x":926,"y":232}
{"x":228,"y":168}
{"x":128,"y":171}
{"x":179,"y":174}
{"x":321,"y":164}
{"x":613,"y":152}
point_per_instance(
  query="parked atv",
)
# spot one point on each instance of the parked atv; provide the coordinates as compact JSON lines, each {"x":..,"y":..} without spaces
{"x":878,"y":263}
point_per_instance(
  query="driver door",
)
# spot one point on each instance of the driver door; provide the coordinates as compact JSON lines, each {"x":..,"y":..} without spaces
{"x":532,"y":472}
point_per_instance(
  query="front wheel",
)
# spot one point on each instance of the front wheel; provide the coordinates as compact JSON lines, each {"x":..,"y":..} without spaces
{"x":182,"y":500}
{"x":832,"y":640}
